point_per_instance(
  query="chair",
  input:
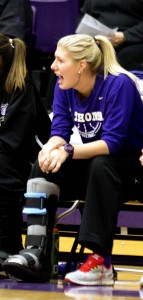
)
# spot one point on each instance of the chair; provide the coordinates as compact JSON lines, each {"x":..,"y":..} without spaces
{"x":54,"y":19}
{"x":129,"y":228}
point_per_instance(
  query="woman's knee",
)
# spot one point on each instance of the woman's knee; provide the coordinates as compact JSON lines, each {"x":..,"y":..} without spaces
{"x":99,"y":161}
{"x":101,"y":166}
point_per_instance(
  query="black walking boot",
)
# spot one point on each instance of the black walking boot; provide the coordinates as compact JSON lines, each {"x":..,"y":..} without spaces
{"x":33,"y":264}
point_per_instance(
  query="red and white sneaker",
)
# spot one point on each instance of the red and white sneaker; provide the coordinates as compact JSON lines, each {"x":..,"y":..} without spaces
{"x":92,"y":272}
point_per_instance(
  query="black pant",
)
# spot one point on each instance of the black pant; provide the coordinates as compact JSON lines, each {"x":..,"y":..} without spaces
{"x":104,"y":182}
{"x":11,"y":223}
{"x":14,"y":174}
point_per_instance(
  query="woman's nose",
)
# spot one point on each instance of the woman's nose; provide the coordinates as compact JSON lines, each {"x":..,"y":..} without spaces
{"x":53,"y":65}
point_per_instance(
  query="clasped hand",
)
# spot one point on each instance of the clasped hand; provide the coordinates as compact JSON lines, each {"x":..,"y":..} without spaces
{"x":51,"y":157}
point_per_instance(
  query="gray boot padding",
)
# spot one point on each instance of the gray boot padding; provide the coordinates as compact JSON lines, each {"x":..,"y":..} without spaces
{"x":40,"y":185}
{"x":32,"y":264}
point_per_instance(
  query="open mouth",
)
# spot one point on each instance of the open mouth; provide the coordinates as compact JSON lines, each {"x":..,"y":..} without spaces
{"x":60,"y":79}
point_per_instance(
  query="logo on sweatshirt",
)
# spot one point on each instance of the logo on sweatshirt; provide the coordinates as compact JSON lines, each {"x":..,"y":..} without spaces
{"x":3,"y":109}
{"x":88,"y":123}
{"x":100,"y":98}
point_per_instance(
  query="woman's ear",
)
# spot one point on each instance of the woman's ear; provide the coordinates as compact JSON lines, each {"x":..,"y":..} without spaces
{"x":82,"y":65}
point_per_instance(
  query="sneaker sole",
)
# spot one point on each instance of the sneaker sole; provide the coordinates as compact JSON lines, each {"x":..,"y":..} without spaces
{"x":98,"y":282}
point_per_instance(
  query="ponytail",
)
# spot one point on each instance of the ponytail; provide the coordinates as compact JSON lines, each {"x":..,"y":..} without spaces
{"x":17,"y":72}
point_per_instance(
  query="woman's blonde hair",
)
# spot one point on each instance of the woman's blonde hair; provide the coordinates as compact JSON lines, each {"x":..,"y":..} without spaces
{"x":97,"y":51}
{"x":13,"y":55}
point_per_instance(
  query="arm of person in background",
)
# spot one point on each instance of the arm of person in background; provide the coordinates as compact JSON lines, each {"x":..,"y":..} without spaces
{"x":131,"y":35}
{"x":117,"y":39}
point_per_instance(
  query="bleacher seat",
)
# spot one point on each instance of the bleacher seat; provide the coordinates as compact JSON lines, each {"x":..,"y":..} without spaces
{"x":54,"y":19}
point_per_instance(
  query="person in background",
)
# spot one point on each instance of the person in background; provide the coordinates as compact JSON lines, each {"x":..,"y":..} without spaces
{"x":94,"y":93}
{"x":128,"y":17}
{"x":22,"y":117}
{"x":16,"y":19}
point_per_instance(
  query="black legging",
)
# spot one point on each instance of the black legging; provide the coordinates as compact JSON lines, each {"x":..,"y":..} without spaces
{"x":11,"y":222}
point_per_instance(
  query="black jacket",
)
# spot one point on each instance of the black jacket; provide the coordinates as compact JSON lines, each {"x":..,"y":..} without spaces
{"x":16,"y":18}
{"x":24,"y":117}
{"x":127,"y":15}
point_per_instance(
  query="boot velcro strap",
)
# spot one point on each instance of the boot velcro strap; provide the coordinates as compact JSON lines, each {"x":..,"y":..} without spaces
{"x":32,"y":256}
{"x":30,"y":260}
{"x":28,"y":257}
{"x":35,"y":202}
{"x":38,"y":241}
{"x":37,"y":220}
{"x":35,"y":251}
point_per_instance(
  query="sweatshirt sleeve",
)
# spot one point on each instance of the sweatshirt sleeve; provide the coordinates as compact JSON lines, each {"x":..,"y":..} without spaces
{"x":62,"y":123}
{"x":118,"y":114}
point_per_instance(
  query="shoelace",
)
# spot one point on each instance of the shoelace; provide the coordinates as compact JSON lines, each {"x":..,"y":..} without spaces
{"x":92,"y":262}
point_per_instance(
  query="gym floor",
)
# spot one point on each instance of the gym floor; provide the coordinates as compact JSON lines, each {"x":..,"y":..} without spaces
{"x":126,"y":286}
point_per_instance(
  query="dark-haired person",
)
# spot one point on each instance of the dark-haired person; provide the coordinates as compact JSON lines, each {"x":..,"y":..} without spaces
{"x":127,"y":16}
{"x":22,"y":117}
{"x":16,"y":18}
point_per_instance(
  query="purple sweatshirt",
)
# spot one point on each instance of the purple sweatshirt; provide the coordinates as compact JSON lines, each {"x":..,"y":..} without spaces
{"x":113,"y":112}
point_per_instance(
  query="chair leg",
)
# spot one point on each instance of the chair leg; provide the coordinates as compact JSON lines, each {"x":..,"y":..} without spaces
{"x":71,"y":256}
